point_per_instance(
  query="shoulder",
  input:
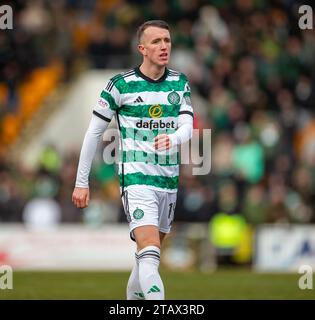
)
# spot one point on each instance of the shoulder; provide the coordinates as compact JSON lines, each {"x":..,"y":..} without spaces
{"x":119,"y":79}
{"x":179,"y":78}
{"x":123,"y":75}
{"x":127,"y":74}
{"x":177,"y":74}
{"x":173,"y":72}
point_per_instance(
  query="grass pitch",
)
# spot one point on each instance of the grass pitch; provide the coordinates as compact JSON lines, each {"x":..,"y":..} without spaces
{"x":222,"y":284}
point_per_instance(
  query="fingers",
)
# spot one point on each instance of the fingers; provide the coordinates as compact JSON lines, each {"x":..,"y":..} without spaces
{"x":82,"y":202}
{"x":80,"y":198}
{"x":162,"y":142}
{"x":87,"y":200}
{"x":78,"y":201}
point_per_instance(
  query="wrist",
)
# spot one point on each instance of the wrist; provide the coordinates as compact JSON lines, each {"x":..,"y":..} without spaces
{"x":81,"y":186}
{"x":174,"y":141}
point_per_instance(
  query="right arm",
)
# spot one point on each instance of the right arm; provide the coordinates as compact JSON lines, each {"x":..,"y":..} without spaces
{"x":102,"y":115}
{"x":80,"y":196}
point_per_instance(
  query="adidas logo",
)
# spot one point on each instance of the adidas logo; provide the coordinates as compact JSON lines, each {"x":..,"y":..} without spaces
{"x":139,"y":294}
{"x":139,"y":99}
{"x":154,"y":289}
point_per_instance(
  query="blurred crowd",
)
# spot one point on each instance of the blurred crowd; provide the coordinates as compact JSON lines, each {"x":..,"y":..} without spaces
{"x":251,"y":71}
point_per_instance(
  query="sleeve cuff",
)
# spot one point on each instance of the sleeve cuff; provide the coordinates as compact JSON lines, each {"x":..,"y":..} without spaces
{"x":174,"y":139}
{"x":78,"y":185}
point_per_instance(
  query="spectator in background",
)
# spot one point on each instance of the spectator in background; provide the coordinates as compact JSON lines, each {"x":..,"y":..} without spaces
{"x":49,"y":160}
{"x":254,"y":207}
{"x":43,"y":211}
{"x":248,"y":156}
{"x":11,"y":199}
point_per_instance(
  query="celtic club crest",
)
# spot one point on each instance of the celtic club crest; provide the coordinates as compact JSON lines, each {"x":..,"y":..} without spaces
{"x":173,"y":97}
{"x":138,"y":214}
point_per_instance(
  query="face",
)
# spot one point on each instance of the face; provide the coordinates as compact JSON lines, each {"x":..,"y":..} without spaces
{"x":155,"y":45}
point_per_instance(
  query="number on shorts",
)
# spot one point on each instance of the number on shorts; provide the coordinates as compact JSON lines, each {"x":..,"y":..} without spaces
{"x":171,"y":209}
{"x":171,"y":212}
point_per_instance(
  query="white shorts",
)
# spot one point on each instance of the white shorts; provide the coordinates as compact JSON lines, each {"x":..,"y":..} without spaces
{"x":149,"y":207}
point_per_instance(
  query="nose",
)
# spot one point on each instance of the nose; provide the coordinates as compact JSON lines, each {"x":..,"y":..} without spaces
{"x":163,"y":45}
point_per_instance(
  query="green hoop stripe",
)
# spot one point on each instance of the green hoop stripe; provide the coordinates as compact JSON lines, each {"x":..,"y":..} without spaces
{"x":156,"y":181}
{"x":142,"y":111}
{"x":145,"y":86}
{"x":143,"y":135}
{"x":112,"y":104}
{"x":152,"y":158}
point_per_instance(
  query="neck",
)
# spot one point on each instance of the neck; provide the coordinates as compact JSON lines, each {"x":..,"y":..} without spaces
{"x":152,"y":71}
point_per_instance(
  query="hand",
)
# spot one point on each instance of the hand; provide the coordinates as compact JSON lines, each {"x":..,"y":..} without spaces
{"x":162,"y":142}
{"x":81,"y":197}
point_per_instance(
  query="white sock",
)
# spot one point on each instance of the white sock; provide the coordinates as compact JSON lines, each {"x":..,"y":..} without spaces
{"x":134,"y":291}
{"x":149,"y":277}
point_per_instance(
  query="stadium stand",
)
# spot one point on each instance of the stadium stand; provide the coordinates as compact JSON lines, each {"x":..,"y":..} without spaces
{"x":253,"y":85}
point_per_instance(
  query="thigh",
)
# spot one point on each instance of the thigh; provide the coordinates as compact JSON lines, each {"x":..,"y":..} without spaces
{"x":167,"y":209}
{"x":141,"y":207}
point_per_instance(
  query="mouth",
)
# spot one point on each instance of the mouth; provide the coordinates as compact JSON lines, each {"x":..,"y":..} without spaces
{"x":163,"y":55}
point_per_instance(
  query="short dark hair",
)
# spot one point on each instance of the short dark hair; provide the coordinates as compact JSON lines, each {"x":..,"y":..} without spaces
{"x":151,"y":23}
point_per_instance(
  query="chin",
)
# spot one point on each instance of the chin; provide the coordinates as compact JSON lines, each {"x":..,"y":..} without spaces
{"x":162,"y":64}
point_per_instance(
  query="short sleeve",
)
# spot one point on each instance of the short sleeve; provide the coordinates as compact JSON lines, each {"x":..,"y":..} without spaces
{"x":108,"y":101}
{"x":186,"y":105}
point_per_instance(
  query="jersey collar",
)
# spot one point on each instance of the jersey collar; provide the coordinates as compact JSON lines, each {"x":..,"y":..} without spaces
{"x":139,"y":73}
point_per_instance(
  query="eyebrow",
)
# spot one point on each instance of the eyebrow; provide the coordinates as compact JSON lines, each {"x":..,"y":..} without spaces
{"x":154,"y":39}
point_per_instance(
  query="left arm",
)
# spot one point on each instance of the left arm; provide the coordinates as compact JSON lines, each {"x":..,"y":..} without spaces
{"x":182,"y":134}
{"x":185,"y":125}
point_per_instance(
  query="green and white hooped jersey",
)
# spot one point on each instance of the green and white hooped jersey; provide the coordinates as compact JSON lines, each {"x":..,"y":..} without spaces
{"x":145,"y":108}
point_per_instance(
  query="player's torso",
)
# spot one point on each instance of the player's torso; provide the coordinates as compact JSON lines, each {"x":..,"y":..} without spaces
{"x":151,"y":106}
{"x":146,"y":110}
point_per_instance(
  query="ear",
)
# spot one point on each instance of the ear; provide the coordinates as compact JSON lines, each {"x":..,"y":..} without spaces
{"x":142,"y":49}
